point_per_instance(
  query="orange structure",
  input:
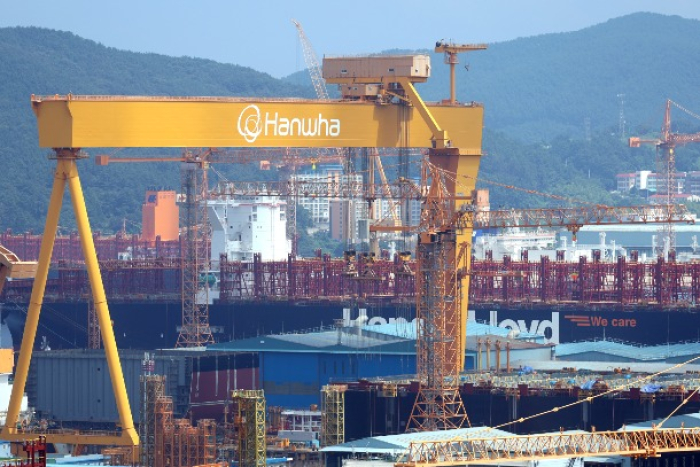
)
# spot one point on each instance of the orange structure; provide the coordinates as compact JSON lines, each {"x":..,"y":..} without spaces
{"x":160,"y":216}
{"x":666,"y":185}
{"x":166,"y":441}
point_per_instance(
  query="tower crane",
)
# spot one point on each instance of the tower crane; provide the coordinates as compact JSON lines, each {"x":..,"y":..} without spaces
{"x":195,"y":330}
{"x":316,"y":74}
{"x":666,"y":161}
{"x":443,"y":268}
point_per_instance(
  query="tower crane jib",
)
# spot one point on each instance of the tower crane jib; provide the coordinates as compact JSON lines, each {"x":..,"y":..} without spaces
{"x":311,"y":60}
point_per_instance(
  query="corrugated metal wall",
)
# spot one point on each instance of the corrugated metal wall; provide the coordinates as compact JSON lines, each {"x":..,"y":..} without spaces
{"x":74,"y":386}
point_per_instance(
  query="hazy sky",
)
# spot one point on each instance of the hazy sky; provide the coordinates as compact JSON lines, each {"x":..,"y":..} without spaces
{"x":260,"y":34}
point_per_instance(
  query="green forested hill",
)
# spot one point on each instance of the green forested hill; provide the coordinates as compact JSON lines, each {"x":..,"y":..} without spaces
{"x":538,"y":93}
{"x":540,"y":87}
{"x":41,"y":61}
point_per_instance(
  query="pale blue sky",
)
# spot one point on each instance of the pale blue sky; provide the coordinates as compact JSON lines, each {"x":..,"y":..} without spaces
{"x":260,"y":34}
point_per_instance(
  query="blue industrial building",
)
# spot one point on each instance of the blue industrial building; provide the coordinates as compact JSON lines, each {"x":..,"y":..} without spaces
{"x":294,"y":367}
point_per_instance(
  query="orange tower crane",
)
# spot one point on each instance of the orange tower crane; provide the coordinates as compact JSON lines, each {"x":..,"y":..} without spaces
{"x":666,"y":161}
{"x":443,"y":267}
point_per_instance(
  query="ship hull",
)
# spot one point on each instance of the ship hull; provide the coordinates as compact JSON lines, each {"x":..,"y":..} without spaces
{"x":155,"y":325}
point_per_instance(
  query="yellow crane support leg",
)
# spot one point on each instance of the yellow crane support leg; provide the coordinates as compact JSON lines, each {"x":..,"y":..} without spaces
{"x":67,"y":172}
{"x":32,"y":321}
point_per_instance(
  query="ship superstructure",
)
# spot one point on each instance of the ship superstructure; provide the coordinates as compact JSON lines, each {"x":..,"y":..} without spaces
{"x":245,"y":225}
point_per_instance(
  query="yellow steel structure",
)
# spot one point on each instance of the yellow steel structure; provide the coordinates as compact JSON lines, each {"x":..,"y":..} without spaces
{"x":67,"y":174}
{"x":250,"y":418}
{"x":499,"y":450}
{"x":455,"y":131}
{"x":132,"y":121}
{"x":67,"y":123}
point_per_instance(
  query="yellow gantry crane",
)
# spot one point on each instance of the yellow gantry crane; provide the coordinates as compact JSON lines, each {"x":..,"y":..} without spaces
{"x":400,"y":119}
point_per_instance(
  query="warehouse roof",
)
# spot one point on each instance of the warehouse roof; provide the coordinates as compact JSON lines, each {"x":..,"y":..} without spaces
{"x":397,"y":338}
{"x":347,"y":339}
{"x":679,"y":421}
{"x":635,"y":352}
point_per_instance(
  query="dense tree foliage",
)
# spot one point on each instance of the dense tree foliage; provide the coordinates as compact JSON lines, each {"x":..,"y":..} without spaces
{"x":552,"y":112}
{"x":40,"y":61}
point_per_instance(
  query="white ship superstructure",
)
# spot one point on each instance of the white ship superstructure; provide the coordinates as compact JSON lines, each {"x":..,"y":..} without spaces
{"x":513,"y":241}
{"x":244,"y":225}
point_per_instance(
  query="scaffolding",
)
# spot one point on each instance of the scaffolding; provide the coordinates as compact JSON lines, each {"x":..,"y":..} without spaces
{"x":152,"y":387}
{"x":513,"y":281}
{"x":169,"y":442}
{"x":120,"y":455}
{"x":250,"y":423}
{"x":438,"y":403}
{"x":333,"y":414}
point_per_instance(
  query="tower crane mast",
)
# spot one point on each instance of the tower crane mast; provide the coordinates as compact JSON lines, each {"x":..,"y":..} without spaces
{"x":666,"y":185}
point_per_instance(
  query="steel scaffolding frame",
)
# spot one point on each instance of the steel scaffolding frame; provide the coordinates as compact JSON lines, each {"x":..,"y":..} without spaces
{"x":152,"y":388}
{"x":166,"y":441}
{"x":67,"y":247}
{"x":250,"y":416}
{"x":620,"y":283}
{"x":333,"y":414}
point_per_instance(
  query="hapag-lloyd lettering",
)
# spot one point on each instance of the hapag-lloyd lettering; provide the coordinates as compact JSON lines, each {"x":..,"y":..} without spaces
{"x":308,"y":127}
{"x":535,"y":327}
{"x":363,"y":320}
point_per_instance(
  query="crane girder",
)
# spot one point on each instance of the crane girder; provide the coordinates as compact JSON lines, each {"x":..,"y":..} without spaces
{"x":213,"y":122}
{"x":646,"y":443}
{"x":407,"y":190}
{"x":586,"y":215}
{"x":335,"y":188}
{"x":279,"y":157}
{"x":680,"y":139}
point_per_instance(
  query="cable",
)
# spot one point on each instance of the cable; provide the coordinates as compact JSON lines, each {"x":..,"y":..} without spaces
{"x":590,"y":398}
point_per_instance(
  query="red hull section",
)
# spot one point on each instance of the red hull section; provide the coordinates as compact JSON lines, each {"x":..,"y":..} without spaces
{"x":213,"y":379}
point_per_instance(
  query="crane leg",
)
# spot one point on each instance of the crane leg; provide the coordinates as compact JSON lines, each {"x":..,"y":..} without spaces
{"x":100,"y":302}
{"x":32,"y":321}
{"x":67,"y":173}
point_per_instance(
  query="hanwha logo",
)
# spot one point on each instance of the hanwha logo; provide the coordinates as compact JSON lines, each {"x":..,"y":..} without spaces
{"x":249,"y":123}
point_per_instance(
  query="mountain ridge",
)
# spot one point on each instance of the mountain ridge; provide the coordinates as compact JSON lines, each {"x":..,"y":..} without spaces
{"x":539,"y":93}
